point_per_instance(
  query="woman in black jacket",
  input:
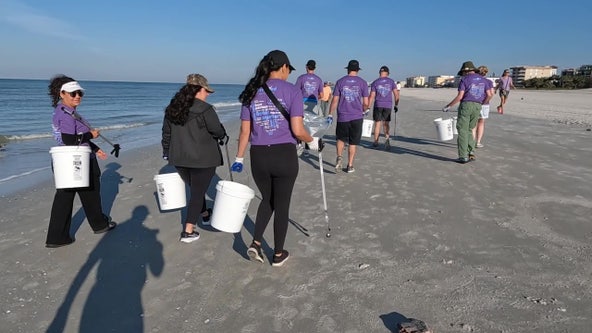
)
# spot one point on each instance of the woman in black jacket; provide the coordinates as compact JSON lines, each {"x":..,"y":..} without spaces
{"x":191,"y":130}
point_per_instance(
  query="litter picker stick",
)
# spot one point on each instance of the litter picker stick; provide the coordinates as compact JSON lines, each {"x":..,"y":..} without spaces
{"x":324,"y":194}
{"x":116,"y":147}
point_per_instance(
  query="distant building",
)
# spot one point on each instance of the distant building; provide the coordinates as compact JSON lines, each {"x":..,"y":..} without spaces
{"x":416,"y":81}
{"x":522,"y":73}
{"x":440,"y":80}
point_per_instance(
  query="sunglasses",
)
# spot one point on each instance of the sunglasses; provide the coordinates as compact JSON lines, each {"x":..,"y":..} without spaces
{"x":74,"y":93}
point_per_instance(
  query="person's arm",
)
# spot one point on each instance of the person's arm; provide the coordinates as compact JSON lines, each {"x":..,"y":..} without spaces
{"x":397,"y":93}
{"x":457,"y":99}
{"x":365,"y":104}
{"x":371,"y":99}
{"x":512,"y":84}
{"x":333,"y":106}
{"x":489,"y":93}
{"x":298,"y":129}
{"x":213,"y":124}
{"x":243,"y":138}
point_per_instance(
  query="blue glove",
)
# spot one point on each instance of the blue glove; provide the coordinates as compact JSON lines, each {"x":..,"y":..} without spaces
{"x":329,"y":119}
{"x":446,"y":109}
{"x":366,"y":112}
{"x":237,"y":166}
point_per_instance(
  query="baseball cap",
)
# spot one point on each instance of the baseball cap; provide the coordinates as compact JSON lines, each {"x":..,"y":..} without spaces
{"x":384,"y":69}
{"x":280,"y":58}
{"x":311,"y":64}
{"x":71,"y":86}
{"x":353,"y":65}
{"x":199,"y":80}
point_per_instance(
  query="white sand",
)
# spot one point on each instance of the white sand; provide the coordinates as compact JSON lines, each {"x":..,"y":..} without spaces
{"x":501,"y":244}
{"x":572,"y":107}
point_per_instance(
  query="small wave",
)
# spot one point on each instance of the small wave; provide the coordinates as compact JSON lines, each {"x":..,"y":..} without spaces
{"x":6,"y":138}
{"x":30,"y":172}
{"x":28,"y":136}
{"x":226,"y":104}
{"x":122,"y":126}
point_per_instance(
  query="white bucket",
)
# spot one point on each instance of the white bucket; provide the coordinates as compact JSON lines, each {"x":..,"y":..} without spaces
{"x":454,"y":130}
{"x":231,"y":205}
{"x":71,"y":166}
{"x":444,"y":129}
{"x":170,"y":189}
{"x":367,"y":127}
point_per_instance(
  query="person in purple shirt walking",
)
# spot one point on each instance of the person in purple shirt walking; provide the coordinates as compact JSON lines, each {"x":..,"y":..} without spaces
{"x":472,"y":91}
{"x":504,"y":85}
{"x":70,"y":129}
{"x":382,"y":92}
{"x":350,"y":99}
{"x":273,"y":134}
{"x":311,"y":86}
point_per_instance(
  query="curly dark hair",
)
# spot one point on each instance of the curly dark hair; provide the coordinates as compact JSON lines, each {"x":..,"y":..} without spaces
{"x":55,"y":86}
{"x":265,"y":67}
{"x":178,"y":109}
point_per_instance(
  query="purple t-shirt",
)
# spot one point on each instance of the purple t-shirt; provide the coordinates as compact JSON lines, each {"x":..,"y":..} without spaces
{"x":505,"y":82}
{"x":350,"y":90}
{"x":474,"y":86}
{"x":311,"y":86}
{"x":383,"y":87}
{"x":64,"y":122}
{"x":268,"y":124}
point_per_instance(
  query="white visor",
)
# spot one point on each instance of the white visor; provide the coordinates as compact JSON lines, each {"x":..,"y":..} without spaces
{"x":71,"y":86}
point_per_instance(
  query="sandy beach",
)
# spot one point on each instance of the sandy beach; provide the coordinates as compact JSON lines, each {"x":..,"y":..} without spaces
{"x":501,"y":244}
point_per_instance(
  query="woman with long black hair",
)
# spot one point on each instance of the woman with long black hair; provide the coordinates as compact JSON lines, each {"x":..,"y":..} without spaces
{"x":191,"y":130}
{"x":273,"y":138}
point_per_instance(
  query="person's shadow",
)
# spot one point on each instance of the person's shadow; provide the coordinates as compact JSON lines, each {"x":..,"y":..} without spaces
{"x":114,"y":303}
{"x":110,"y":181}
{"x":392,"y":320}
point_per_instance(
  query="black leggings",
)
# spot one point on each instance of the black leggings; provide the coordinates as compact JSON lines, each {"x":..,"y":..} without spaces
{"x":198,"y":180}
{"x":274,"y":169}
{"x":60,"y":220}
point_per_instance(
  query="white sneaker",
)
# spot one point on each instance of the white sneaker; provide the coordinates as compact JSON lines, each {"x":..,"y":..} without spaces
{"x":189,"y":237}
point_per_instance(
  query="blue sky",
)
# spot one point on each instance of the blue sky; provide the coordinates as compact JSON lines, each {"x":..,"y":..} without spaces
{"x":163,"y":41}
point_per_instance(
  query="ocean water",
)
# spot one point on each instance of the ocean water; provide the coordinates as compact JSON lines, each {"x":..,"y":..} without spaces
{"x":127,"y":113}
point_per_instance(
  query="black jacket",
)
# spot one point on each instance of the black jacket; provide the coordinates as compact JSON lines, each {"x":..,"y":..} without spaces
{"x":194,"y":144}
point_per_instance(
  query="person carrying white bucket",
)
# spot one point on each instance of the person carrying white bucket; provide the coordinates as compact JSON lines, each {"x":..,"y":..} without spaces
{"x":272,"y":127}
{"x":191,"y":139}
{"x":70,"y":129}
{"x":471,"y":94}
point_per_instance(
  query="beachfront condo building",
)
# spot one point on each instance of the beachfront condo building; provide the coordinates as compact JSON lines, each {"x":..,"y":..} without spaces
{"x":440,"y":80}
{"x":416,"y":81}
{"x":522,"y":73}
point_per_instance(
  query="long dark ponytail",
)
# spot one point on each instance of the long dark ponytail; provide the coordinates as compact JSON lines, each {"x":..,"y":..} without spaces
{"x":265,"y":67}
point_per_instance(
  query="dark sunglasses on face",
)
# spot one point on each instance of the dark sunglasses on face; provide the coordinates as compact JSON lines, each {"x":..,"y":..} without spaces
{"x":73,"y":93}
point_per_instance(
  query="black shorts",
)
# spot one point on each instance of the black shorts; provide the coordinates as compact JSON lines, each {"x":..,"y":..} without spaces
{"x":381,"y":114}
{"x":349,"y":131}
{"x":504,"y":93}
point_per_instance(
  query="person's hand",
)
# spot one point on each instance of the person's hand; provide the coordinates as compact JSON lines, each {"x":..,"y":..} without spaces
{"x":366,"y":112}
{"x":329,"y":119}
{"x":101,"y":154}
{"x":396,"y":109}
{"x":165,"y":157}
{"x":446,"y":109}
{"x":316,"y":144}
{"x":95,"y":133}
{"x":223,"y":140}
{"x":237,"y":166}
